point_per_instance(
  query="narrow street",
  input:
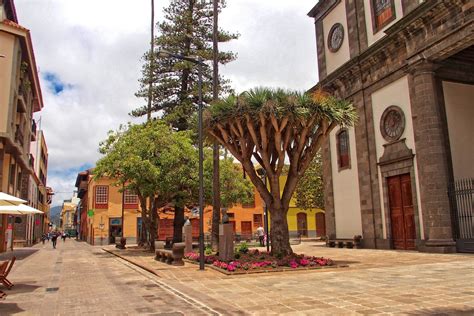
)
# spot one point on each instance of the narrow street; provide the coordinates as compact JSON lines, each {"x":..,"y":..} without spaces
{"x":77,"y":279}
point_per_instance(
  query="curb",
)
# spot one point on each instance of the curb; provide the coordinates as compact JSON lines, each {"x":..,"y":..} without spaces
{"x":282,"y":269}
{"x":132,"y":262}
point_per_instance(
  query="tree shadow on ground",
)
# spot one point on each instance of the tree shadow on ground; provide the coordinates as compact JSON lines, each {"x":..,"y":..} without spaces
{"x":20,"y":254}
{"x":345,"y":262}
{"x":23,"y":288}
{"x":443,"y":311}
{"x":10,"y":308}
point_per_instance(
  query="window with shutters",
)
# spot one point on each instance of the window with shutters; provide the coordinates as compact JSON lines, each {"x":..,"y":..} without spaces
{"x":383,"y":12}
{"x":130,"y":199}
{"x":257,"y":220}
{"x":343,"y":150}
{"x":101,"y":196}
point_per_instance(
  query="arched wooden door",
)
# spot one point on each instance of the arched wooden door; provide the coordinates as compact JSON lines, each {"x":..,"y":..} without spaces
{"x":302,"y":224}
{"x":320,"y":224}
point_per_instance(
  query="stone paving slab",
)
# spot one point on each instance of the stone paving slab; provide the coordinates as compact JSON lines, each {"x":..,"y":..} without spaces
{"x":77,"y":279}
{"x":376,"y":282}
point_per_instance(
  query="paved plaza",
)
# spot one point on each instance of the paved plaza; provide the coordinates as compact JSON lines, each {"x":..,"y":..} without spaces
{"x":79,"y":279}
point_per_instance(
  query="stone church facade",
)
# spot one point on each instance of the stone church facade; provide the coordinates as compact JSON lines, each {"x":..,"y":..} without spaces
{"x":408,"y":68}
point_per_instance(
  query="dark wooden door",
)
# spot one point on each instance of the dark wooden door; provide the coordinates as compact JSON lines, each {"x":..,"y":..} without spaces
{"x":246,"y":229}
{"x":165,"y":229}
{"x":401,"y":212}
{"x":320,"y":224}
{"x":302,"y":224}
{"x":233,"y":225}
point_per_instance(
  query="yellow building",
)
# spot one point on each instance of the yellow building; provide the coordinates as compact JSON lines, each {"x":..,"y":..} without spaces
{"x":20,"y":97}
{"x":103,"y":211}
{"x":68,"y":214}
{"x":307,"y":223}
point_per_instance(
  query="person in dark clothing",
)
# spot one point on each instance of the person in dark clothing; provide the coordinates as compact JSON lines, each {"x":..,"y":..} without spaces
{"x":54,"y":239}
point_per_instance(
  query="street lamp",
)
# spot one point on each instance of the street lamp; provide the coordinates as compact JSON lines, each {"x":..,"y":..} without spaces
{"x":198,"y":61}
{"x":263,"y":174}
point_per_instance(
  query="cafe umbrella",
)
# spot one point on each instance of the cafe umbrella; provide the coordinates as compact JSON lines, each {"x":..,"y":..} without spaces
{"x":8,"y":200}
{"x":21,"y":209}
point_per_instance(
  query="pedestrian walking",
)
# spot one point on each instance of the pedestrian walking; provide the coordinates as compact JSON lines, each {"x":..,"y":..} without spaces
{"x":260,"y":234}
{"x":54,"y":239}
{"x":64,"y":235}
{"x":43,"y":238}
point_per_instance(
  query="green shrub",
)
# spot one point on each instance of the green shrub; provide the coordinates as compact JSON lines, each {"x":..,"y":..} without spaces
{"x":243,"y":248}
{"x":208,"y":251}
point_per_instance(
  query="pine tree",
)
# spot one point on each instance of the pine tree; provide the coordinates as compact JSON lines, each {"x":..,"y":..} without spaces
{"x":187,"y":31}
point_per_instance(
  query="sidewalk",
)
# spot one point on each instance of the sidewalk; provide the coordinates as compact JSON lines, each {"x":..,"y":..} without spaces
{"x":78,"y":279}
{"x":376,"y":282}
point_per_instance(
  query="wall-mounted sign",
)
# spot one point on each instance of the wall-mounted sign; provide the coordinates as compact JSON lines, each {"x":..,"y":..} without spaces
{"x":335,"y":37}
{"x":90,"y":213}
{"x":115,"y":221}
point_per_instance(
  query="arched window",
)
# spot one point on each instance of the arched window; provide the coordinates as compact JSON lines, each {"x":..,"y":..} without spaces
{"x":343,"y":150}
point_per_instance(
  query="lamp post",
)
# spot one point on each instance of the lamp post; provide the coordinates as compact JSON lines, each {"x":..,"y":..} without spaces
{"x":263,"y":174}
{"x":197,"y":61}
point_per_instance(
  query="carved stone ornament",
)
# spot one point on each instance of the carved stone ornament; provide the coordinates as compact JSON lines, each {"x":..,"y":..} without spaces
{"x":392,"y":123}
{"x":335,"y":37}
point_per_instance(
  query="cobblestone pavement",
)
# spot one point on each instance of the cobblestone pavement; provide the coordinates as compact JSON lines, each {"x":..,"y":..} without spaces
{"x":376,"y":282}
{"x":78,"y":279}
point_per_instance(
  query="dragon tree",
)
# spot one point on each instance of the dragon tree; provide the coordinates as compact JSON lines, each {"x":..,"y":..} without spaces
{"x":274,"y":127}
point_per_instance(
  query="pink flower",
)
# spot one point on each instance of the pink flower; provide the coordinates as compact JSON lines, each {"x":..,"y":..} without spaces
{"x":293,"y":264}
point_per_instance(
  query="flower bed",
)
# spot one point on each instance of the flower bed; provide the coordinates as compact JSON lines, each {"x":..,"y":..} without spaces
{"x":255,"y":261}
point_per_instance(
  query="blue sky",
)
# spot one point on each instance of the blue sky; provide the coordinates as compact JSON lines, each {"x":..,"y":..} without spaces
{"x":54,"y":83}
{"x":89,"y":61}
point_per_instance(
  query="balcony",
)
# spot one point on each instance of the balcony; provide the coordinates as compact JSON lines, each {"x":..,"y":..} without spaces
{"x":19,"y":138}
{"x":33,"y":130}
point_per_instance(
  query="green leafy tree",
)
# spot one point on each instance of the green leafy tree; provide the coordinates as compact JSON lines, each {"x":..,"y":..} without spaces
{"x":161,"y":166}
{"x":187,"y":30}
{"x":155,"y":163}
{"x":309,"y":191}
{"x":269,"y":126}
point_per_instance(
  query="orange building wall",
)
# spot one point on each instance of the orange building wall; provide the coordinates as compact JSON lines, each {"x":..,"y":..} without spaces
{"x":240,"y":214}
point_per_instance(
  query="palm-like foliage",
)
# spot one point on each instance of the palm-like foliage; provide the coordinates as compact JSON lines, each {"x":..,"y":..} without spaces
{"x":271,"y":126}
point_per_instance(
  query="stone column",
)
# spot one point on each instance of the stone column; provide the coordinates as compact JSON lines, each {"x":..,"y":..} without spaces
{"x":328,"y":190}
{"x":431,"y":155}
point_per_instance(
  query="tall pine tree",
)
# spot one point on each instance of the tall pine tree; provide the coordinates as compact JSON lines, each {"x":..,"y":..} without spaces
{"x":186,"y":30}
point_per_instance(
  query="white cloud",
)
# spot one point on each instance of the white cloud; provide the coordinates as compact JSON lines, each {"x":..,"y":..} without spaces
{"x":96,"y":46}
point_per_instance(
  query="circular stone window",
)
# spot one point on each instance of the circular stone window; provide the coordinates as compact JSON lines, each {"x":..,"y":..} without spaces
{"x":392,"y":123}
{"x":335,"y":37}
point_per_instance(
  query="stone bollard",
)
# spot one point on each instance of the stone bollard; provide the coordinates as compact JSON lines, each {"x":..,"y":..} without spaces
{"x":188,"y":238}
{"x":178,"y":254}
